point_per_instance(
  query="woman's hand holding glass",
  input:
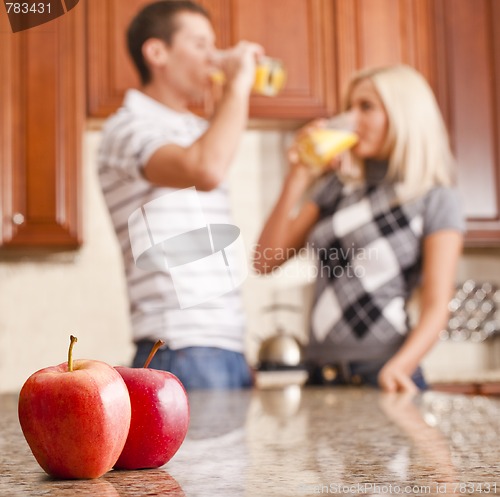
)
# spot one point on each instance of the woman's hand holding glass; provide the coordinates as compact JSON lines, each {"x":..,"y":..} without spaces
{"x":320,"y":143}
{"x":301,"y":171}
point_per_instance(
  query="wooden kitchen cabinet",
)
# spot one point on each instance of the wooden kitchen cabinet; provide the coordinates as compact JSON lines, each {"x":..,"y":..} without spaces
{"x":470,"y":388}
{"x":370,"y":33}
{"x":468,"y":45}
{"x":110,"y":71}
{"x":321,"y":43}
{"x":454,"y":44}
{"x":42,"y":102}
{"x":294,"y":31}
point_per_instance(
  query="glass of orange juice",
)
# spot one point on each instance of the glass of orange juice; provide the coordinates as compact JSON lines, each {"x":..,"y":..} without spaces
{"x":317,"y":147}
{"x":269,"y":77}
{"x":269,"y":80}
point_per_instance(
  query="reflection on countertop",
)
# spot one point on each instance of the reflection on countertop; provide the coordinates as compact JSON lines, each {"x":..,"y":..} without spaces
{"x":295,"y":441}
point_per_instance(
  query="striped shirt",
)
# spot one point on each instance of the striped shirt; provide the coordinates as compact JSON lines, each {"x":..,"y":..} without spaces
{"x":129,"y":139}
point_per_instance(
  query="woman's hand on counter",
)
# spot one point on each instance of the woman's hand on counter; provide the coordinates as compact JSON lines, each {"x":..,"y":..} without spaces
{"x":394,"y":379}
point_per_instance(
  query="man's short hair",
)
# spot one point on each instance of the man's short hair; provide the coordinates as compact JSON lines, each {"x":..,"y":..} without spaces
{"x":156,"y":20}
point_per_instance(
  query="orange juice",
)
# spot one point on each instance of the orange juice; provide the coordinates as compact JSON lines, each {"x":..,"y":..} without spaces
{"x":269,"y":77}
{"x":320,"y":145}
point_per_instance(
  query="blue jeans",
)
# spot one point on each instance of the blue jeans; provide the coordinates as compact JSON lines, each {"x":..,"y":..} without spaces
{"x":371,"y":377}
{"x":198,"y":367}
{"x":357,"y":373}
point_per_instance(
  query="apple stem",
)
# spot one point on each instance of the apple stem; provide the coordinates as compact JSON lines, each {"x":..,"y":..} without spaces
{"x":155,"y":348}
{"x":72,"y":342}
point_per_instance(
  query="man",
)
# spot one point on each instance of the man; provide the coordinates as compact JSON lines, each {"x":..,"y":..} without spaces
{"x":153,"y":146}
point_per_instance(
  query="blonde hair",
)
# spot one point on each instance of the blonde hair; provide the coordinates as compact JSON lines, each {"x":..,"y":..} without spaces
{"x":417,"y":140}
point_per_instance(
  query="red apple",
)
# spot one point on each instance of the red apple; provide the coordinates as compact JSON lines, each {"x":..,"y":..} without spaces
{"x":160,"y":416}
{"x":75,"y":417}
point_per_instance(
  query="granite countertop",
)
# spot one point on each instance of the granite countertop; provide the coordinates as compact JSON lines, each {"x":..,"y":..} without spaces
{"x":292,"y":442}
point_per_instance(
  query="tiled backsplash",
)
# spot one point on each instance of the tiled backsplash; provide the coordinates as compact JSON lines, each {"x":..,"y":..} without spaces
{"x":474,"y":312}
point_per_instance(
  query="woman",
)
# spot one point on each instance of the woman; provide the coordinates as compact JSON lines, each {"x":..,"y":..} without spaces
{"x":384,"y":222}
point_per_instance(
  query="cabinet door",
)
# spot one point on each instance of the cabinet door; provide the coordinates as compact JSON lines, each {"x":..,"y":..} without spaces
{"x":301,"y":34}
{"x":384,"y":32}
{"x":456,"y":46}
{"x":41,"y":97}
{"x":469,"y":90}
{"x":296,"y":31}
{"x":110,"y":71}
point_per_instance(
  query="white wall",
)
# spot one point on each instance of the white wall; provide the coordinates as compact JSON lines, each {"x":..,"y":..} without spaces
{"x":255,"y":182}
{"x":43,"y":300}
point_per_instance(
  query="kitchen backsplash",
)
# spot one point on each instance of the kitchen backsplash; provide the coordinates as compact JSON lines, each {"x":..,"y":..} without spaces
{"x":45,"y":299}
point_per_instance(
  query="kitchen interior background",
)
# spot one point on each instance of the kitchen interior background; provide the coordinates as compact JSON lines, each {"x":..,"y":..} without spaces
{"x":45,"y":299}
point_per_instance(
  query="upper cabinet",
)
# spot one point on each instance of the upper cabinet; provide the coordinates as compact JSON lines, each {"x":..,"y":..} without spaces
{"x":456,"y":46}
{"x":298,"y":32}
{"x":383,"y":32}
{"x":468,"y":46}
{"x":42,"y":115}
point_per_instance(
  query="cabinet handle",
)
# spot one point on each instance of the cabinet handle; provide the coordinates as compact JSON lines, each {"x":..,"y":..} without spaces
{"x":18,"y":219}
